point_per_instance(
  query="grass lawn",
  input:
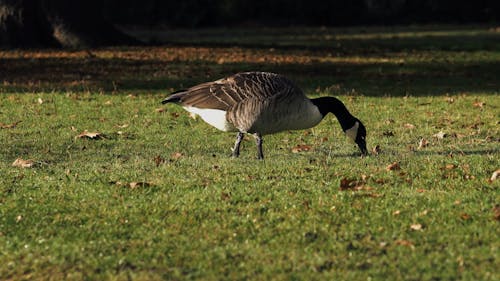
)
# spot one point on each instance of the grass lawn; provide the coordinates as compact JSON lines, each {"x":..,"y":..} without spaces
{"x":154,"y":195}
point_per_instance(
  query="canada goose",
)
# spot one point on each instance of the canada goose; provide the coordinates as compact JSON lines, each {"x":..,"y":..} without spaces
{"x":262,"y":103}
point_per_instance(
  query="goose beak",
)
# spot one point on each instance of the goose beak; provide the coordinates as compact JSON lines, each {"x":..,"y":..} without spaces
{"x":362,"y":146}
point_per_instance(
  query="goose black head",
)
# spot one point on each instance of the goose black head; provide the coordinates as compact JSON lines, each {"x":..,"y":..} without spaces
{"x":358,"y":134}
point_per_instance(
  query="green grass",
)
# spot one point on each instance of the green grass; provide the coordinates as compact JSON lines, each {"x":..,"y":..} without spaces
{"x":195,"y":213}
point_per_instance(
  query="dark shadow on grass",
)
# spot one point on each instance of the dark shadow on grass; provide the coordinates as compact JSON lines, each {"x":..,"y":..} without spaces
{"x":145,"y":76}
{"x":130,"y":69}
{"x":343,"y":41}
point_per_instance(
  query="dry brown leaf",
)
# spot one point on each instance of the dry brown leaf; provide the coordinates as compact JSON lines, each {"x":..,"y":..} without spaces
{"x":409,"y":126}
{"x":449,"y":167}
{"x":496,"y":212}
{"x":23,"y":163}
{"x":406,"y":243}
{"x":131,"y":185}
{"x":225,"y":196}
{"x":300,"y":148}
{"x":374,"y":195}
{"x":423,"y":143}
{"x":9,"y":126}
{"x":479,"y":104}
{"x":160,"y":109}
{"x":393,"y":167}
{"x":357,"y":185}
{"x":495,"y":175}
{"x":416,"y":226}
{"x":346,"y":184}
{"x":440,"y":135}
{"x":465,"y":216}
{"x":159,"y":160}
{"x":89,"y":135}
{"x":122,"y":126}
{"x":376,"y":150}
{"x":134,"y":184}
{"x":176,"y":155}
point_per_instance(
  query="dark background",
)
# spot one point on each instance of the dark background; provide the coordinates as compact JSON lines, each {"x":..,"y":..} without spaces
{"x":198,"y":13}
{"x":92,"y":23}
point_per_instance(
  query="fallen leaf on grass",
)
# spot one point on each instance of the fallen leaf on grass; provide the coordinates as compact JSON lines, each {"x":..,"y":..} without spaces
{"x":159,"y":160}
{"x":160,"y":109}
{"x":9,"y":126}
{"x":449,"y":167}
{"x":405,"y":243}
{"x":346,"y":184}
{"x":441,"y":135}
{"x":494,"y":176}
{"x":225,"y":196}
{"x":393,"y":167}
{"x":357,"y":185}
{"x":478,"y":104}
{"x":416,"y":227}
{"x":89,"y":135}
{"x":374,"y":195}
{"x":423,"y":143}
{"x":300,"y":148}
{"x":122,"y":126}
{"x":465,"y":216}
{"x":176,"y":155}
{"x":496,"y":212}
{"x":132,"y":185}
{"x":23,"y":163}
{"x":409,"y":126}
{"x":376,"y":150}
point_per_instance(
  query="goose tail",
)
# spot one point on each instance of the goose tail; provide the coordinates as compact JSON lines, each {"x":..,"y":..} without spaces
{"x":175,"y":97}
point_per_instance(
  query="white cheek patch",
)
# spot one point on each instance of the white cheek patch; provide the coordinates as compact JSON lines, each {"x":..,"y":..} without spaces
{"x":353,"y":132}
{"x":214,"y":117}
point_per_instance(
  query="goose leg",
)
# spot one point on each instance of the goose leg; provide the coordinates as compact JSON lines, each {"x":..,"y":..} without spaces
{"x":258,"y":139}
{"x":236,"y":149}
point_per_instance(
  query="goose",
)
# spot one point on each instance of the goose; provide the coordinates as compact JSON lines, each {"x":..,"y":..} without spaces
{"x":262,"y":103}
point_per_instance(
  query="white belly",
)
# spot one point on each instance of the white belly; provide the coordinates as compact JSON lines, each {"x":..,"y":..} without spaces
{"x":214,"y":117}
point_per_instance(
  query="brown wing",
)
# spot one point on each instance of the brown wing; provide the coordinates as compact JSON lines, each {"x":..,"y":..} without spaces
{"x":227,"y":92}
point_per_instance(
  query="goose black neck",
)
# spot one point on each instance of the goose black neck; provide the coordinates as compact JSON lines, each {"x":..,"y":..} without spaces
{"x":335,"y":106}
